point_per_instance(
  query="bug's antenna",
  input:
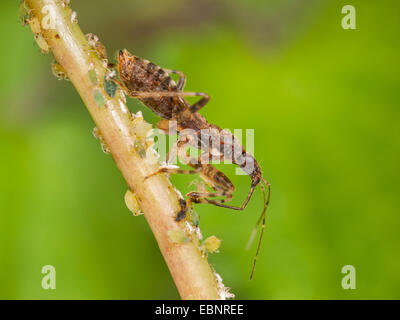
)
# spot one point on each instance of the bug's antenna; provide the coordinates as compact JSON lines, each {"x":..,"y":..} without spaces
{"x":260,"y":219}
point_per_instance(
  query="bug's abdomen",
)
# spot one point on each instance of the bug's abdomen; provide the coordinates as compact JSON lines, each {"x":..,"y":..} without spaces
{"x":165,"y":107}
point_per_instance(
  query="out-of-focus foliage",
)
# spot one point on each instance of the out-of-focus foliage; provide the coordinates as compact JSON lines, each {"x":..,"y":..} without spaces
{"x":324,"y":103}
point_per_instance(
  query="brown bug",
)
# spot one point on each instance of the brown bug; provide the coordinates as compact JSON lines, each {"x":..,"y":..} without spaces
{"x":152,"y":85}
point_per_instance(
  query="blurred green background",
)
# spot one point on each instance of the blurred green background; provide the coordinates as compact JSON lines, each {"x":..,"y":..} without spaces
{"x":324,"y":103}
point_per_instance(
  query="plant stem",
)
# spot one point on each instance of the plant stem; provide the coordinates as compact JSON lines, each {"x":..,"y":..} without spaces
{"x":159,"y":201}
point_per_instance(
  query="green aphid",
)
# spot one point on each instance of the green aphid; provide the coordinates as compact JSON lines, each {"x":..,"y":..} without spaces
{"x":23,"y":13}
{"x":110,"y":87}
{"x":139,"y":148}
{"x":98,"y":98}
{"x":194,"y":218}
{"x":178,"y":236}
{"x":93,"y":76}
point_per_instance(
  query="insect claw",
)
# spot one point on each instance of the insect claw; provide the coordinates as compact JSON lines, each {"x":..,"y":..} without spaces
{"x":152,"y":174}
{"x":149,"y":176}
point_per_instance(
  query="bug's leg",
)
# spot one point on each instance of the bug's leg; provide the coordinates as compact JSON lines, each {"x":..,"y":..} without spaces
{"x":204,"y":197}
{"x":199,"y":104}
{"x":157,"y":94}
{"x":160,"y":94}
{"x":182,"y":78}
{"x":192,"y":162}
{"x":171,"y":170}
{"x":261,"y":220}
{"x":163,"y":125}
{"x":216,"y":180}
{"x":242,"y":207}
{"x":221,"y":181}
{"x":185,"y":205}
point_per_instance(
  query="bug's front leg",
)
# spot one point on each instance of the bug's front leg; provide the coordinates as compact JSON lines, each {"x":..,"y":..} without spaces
{"x":173,"y":170}
{"x":182,"y":78}
{"x":185,"y":205}
{"x":159,"y":94}
{"x":163,"y":125}
{"x":216,"y":180}
{"x":178,"y":147}
{"x":199,"y":104}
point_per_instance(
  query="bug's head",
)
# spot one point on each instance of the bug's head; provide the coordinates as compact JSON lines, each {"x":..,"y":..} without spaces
{"x":126,"y":62}
{"x":122,"y":54}
{"x":122,"y":58}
